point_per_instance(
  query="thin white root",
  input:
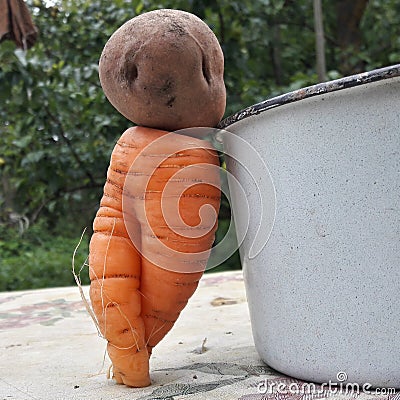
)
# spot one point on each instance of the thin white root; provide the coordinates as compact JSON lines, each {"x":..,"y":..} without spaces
{"x":132,"y":329}
{"x":105,"y":265}
{"x":109,"y":371}
{"x":154,"y":332}
{"x":203,"y":346}
{"x":79,"y":284}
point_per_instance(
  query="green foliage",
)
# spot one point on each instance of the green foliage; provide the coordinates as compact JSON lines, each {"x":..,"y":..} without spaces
{"x":57,"y":129}
{"x":380,"y":26}
{"x":38,"y":259}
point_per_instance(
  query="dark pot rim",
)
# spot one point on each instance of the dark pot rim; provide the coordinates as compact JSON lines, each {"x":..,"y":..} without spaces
{"x":311,"y":91}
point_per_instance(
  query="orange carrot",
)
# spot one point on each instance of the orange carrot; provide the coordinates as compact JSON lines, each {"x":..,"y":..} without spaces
{"x":151,"y":242}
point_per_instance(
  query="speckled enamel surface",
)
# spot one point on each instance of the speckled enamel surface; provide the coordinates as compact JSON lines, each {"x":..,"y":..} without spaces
{"x":324,"y":292}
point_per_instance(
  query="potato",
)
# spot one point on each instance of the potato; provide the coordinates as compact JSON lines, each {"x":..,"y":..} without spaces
{"x":164,"y":69}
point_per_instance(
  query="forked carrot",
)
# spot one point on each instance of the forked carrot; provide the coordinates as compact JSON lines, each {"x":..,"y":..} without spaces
{"x":151,"y":242}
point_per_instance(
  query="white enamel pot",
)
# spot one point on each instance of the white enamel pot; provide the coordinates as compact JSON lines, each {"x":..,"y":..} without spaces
{"x":324,"y":288}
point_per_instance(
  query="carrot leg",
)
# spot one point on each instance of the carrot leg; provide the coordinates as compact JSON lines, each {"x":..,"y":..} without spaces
{"x":115,"y":267}
{"x":165,"y":296}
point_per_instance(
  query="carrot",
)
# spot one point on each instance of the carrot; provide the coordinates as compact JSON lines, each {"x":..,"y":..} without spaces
{"x":151,"y":242}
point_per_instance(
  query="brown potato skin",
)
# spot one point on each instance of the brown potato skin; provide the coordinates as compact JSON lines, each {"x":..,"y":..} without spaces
{"x":164,"y":69}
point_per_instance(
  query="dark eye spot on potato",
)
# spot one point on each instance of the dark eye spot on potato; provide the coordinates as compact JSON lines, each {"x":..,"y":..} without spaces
{"x":170,"y":102}
{"x":131,"y":73}
{"x":205,"y":71}
{"x":167,"y":86}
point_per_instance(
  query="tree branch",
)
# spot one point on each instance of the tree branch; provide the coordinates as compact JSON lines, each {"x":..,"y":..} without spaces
{"x":57,"y":196}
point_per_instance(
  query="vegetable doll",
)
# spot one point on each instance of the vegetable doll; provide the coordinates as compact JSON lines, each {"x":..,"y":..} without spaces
{"x":163,"y":70}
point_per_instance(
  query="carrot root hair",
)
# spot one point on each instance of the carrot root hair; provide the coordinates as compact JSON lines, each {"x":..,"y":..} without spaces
{"x":77,"y":277}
